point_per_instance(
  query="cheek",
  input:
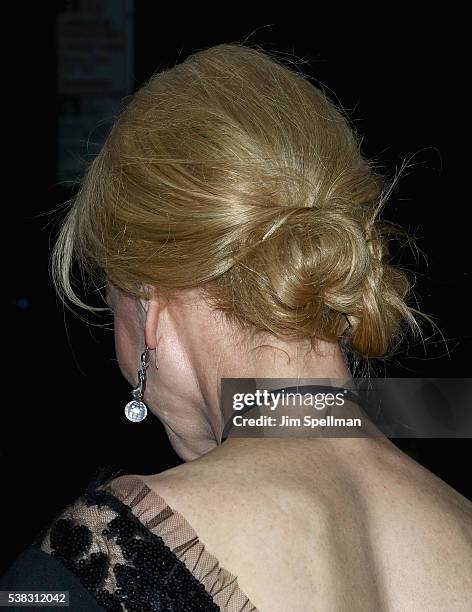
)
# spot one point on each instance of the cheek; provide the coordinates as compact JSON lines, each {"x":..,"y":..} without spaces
{"x":128,"y":339}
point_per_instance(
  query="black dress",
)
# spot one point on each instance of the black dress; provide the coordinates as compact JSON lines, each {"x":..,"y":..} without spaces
{"x":120,"y":547}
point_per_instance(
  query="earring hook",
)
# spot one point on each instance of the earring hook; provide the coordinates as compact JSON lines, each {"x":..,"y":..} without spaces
{"x":145,"y":357}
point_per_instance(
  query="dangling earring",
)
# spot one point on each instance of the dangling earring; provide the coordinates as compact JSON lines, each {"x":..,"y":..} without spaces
{"x":136,"y":409}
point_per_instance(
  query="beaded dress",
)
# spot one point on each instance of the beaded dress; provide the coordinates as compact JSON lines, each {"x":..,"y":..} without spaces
{"x":123,"y":548}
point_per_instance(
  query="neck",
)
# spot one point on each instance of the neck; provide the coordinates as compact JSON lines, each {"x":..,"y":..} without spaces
{"x":197,"y":427}
{"x":270,"y":370}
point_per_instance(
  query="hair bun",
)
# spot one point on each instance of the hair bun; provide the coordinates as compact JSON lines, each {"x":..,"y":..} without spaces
{"x":320,"y":272}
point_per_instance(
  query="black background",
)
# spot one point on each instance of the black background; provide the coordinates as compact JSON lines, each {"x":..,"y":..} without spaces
{"x":63,"y":413}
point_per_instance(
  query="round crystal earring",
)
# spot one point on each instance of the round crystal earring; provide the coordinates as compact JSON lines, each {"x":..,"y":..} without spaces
{"x":136,"y":409}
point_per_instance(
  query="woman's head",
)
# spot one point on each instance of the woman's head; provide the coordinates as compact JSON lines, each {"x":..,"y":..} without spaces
{"x":233,"y":178}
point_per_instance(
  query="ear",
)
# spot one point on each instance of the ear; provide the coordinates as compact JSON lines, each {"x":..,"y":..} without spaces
{"x":152,"y":320}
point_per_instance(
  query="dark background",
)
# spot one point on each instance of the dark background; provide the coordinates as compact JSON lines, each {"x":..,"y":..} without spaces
{"x":63,"y":417}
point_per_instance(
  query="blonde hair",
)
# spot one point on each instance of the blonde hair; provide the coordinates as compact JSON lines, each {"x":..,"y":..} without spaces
{"x":232,"y":172}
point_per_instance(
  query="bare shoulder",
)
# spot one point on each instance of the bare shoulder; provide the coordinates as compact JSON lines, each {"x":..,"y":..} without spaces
{"x":422,"y":533}
{"x":398,"y":537}
{"x":264,"y":531}
{"x":401,"y":499}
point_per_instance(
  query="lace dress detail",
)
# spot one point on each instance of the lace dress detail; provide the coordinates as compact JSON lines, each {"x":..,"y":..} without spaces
{"x":134,"y":553}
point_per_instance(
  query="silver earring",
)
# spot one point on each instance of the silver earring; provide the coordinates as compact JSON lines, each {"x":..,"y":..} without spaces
{"x":136,"y":409}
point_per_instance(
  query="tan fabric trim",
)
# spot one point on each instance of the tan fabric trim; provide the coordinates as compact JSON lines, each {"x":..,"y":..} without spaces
{"x":154,"y":512}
